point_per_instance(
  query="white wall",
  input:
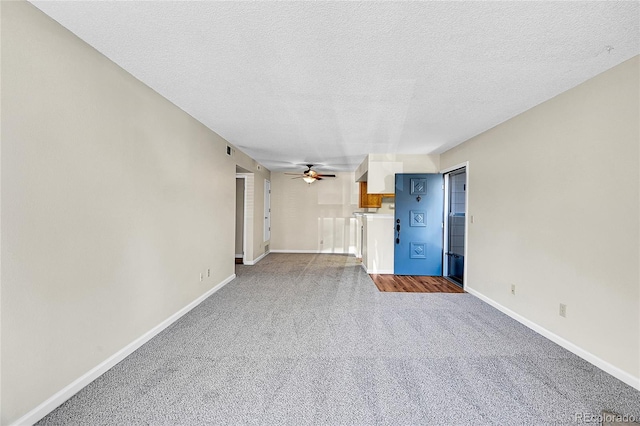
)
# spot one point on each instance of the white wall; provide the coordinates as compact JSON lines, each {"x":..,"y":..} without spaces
{"x":114,"y":201}
{"x":554,"y":193}
{"x":315,"y":217}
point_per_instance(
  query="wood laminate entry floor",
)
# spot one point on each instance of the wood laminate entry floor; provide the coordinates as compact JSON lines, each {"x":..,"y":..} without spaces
{"x":414,"y":284}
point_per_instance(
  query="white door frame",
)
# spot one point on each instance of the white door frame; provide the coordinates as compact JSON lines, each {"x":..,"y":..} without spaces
{"x":243,"y":176}
{"x":445,"y":264}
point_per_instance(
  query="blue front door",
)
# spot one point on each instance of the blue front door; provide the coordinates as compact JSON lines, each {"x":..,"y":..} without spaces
{"x":418,"y":224}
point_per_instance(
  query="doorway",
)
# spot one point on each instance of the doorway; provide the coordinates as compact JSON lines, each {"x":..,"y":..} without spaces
{"x":455,"y":183}
{"x":240,"y":203}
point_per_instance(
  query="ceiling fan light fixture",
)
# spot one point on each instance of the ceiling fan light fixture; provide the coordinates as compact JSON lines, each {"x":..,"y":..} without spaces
{"x":310,"y":176}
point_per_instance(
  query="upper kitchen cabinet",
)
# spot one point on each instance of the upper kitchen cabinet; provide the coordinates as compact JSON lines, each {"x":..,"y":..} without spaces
{"x":368,"y":200}
{"x":379,"y":170}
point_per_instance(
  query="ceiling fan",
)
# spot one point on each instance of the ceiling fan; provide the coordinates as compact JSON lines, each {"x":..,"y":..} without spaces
{"x":309,"y":175}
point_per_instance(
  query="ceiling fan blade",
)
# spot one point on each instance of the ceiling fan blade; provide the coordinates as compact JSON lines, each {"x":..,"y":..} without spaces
{"x":323,"y":175}
{"x":298,"y":177}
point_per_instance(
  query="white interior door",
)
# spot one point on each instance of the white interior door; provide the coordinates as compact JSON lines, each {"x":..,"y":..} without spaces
{"x":267,"y":210}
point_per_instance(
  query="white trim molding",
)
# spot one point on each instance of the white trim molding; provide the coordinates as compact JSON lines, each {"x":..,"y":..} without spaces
{"x":455,"y":167}
{"x":465,"y":166}
{"x":296,"y":251}
{"x":571,"y":347}
{"x":377,"y":271}
{"x":249,"y":203}
{"x":67,"y":392}
{"x":256,"y":260}
{"x":259,"y":258}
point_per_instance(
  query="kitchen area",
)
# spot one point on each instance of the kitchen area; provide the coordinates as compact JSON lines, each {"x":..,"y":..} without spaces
{"x":375,"y":218}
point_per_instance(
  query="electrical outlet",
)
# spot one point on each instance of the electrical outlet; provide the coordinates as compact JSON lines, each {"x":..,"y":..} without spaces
{"x":563,"y":310}
{"x":208,"y":272}
{"x":513,"y":289}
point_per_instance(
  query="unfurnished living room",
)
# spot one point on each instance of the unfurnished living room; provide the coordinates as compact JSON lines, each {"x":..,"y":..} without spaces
{"x":319,"y":213}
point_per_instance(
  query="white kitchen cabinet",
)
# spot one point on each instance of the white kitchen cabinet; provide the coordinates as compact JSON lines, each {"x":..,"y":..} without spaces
{"x":379,"y":170}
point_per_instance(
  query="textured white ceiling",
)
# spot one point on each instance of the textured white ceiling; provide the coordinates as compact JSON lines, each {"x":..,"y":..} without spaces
{"x":329,"y":82}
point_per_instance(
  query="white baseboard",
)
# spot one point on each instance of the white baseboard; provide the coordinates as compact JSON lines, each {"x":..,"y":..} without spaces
{"x":571,"y":347}
{"x":67,"y":392}
{"x":256,"y":260}
{"x":328,"y":251}
{"x":377,"y":271}
{"x":296,"y":251}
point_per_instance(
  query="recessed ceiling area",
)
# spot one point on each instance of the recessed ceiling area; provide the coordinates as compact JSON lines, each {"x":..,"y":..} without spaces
{"x":327,"y":83}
